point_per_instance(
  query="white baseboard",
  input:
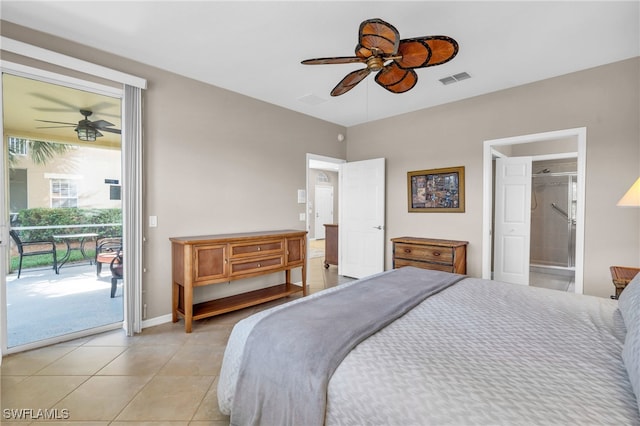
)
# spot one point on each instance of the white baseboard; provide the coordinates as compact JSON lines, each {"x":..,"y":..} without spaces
{"x":157,"y":321}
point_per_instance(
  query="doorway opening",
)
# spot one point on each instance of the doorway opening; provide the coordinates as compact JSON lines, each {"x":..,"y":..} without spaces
{"x":559,"y":155}
{"x":553,"y":223}
{"x":323,"y":181}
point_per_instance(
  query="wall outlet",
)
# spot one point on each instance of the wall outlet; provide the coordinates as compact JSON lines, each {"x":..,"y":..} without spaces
{"x":303,"y":217}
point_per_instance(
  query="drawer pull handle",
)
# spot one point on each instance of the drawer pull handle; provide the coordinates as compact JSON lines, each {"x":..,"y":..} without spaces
{"x":259,"y":265}
{"x":259,"y":248}
{"x":407,"y":250}
{"x":436,"y":253}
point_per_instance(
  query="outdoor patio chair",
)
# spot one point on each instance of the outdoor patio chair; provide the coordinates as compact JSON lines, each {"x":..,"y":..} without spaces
{"x":34,"y":248}
{"x":116,"y":272}
{"x":106,"y":250}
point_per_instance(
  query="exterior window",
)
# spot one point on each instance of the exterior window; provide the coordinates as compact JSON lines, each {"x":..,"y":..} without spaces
{"x":17,"y":146}
{"x":64,"y":193}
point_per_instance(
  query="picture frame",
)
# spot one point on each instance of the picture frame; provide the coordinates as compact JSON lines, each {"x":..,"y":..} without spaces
{"x":436,"y":190}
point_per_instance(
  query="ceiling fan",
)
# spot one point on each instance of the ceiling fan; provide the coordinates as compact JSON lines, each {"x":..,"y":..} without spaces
{"x":380,"y":48}
{"x":87,"y":130}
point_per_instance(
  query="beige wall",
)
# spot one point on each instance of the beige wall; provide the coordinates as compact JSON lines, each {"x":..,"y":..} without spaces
{"x":605,"y":100}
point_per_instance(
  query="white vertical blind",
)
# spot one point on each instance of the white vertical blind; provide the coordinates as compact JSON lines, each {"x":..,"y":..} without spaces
{"x":132,"y":207}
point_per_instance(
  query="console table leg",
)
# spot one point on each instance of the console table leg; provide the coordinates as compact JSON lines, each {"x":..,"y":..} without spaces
{"x":175,"y":296}
{"x":188,"y":308}
{"x":304,"y":279}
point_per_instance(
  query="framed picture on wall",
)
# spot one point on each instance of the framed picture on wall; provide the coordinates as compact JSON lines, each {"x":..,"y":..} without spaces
{"x":436,"y":190}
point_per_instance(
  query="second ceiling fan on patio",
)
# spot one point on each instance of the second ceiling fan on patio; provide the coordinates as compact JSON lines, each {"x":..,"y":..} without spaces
{"x":87,"y":130}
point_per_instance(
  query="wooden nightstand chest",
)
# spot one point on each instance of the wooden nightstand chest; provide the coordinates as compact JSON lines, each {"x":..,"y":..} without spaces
{"x":621,"y":276}
{"x":430,"y":253}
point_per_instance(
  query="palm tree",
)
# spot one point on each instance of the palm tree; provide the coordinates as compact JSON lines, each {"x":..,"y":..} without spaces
{"x":40,"y":152}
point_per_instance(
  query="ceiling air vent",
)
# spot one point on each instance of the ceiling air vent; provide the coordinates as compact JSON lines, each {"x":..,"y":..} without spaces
{"x":455,"y":78}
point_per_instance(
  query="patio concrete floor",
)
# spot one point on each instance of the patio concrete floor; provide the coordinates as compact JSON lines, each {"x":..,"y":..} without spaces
{"x":41,"y":304}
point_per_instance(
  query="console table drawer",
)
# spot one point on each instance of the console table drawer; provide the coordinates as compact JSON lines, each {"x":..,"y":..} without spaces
{"x":256,"y":265}
{"x":256,"y":248}
{"x":424,"y":253}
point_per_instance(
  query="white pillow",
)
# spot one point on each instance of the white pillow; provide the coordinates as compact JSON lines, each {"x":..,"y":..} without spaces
{"x":629,"y":304}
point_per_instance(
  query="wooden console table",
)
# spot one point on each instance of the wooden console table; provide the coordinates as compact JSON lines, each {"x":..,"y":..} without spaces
{"x":213,"y":259}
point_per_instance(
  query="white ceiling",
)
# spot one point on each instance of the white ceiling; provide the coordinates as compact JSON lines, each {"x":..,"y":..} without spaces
{"x":255,"y":48}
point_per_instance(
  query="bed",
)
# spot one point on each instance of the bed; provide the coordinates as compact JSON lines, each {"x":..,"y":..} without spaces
{"x":465,"y":351}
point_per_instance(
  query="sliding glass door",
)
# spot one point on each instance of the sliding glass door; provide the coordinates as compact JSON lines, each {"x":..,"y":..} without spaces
{"x":62,"y":148}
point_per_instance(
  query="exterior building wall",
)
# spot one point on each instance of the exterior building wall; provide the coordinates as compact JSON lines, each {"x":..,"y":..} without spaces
{"x":88,"y":167}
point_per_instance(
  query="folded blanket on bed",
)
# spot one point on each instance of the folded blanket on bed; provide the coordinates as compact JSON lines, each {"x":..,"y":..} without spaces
{"x":291,"y":354}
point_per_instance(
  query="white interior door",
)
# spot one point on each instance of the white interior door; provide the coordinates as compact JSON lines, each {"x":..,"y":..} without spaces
{"x":512,"y":220}
{"x":324,"y":209}
{"x":362,"y":207}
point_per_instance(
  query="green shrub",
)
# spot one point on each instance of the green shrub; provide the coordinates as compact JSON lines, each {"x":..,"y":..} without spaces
{"x":63,"y":216}
{"x":67,"y":216}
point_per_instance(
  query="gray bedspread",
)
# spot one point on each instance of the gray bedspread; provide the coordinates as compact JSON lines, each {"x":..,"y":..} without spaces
{"x":480,"y":352}
{"x":291,"y":354}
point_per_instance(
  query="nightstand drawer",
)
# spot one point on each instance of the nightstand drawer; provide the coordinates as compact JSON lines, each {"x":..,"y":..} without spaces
{"x":424,"y":265}
{"x":424,"y":253}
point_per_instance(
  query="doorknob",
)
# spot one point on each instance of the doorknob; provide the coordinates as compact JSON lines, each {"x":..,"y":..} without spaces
{"x":378,"y":227}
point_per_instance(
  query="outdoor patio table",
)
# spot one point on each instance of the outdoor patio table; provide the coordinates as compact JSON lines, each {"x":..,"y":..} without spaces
{"x":67,"y":238}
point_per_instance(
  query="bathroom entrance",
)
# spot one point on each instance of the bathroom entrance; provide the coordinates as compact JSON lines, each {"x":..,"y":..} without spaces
{"x":553,"y":223}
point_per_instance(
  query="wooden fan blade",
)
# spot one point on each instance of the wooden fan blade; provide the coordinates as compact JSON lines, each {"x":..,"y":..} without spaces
{"x":443,"y":49}
{"x":350,"y":81}
{"x":396,"y":79}
{"x":336,"y":60}
{"x":415,"y":53}
{"x":55,"y":127}
{"x":377,"y":36}
{"x":58,"y":122}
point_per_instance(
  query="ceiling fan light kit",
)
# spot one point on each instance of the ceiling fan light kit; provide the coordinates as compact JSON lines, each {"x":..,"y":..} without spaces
{"x":87,"y":133}
{"x":381,"y":50}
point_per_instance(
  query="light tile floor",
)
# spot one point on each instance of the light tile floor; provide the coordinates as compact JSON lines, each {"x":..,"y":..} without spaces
{"x":161,"y":376}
